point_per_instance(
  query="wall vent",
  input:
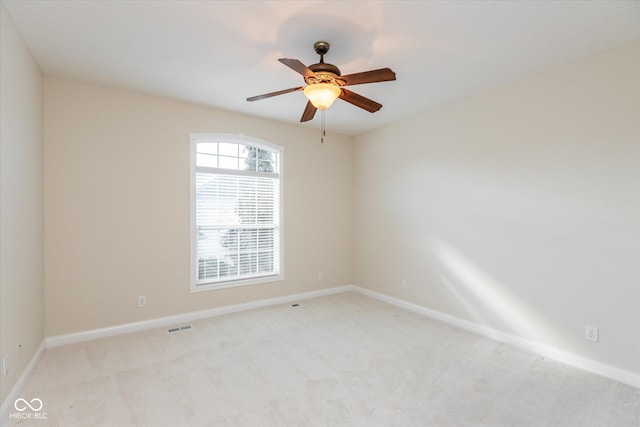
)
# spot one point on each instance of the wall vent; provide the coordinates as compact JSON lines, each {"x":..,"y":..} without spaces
{"x":178,"y":329}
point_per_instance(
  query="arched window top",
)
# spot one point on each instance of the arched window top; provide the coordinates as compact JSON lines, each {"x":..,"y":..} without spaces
{"x":236,"y":152}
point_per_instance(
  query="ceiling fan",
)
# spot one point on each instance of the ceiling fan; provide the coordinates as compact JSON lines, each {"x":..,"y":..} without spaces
{"x":325,"y":84}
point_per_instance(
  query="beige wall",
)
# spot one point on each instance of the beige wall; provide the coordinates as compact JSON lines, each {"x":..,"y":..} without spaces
{"x":117,"y":206}
{"x":517,"y":208}
{"x":21,"y":204}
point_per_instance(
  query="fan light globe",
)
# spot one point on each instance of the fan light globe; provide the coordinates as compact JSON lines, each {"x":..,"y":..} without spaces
{"x":322,"y":95}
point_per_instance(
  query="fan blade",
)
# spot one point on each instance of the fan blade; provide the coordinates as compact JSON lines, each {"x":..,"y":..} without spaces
{"x":373,"y":76}
{"x":269,"y":95}
{"x":298,"y":66}
{"x":309,"y":112}
{"x":360,"y":101}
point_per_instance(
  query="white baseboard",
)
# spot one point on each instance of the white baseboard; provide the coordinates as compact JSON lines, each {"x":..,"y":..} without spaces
{"x":608,"y":371}
{"x":7,"y":405}
{"x":77,"y":337}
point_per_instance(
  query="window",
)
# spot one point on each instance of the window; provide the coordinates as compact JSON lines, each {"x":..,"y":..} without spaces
{"x":236,"y":211}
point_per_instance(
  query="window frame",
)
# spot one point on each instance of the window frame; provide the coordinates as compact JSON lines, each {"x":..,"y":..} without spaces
{"x":195,"y":139}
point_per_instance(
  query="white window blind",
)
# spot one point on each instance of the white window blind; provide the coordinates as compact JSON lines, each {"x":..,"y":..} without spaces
{"x":237,"y":213}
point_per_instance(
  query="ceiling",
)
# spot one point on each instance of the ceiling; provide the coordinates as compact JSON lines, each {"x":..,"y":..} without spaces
{"x":218,"y":53}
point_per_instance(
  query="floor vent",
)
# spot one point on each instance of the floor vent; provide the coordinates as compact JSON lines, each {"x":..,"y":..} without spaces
{"x":178,"y":329}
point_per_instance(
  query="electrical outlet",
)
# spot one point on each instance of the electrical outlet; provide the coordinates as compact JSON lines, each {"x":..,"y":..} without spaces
{"x":321,"y":276}
{"x":405,"y":284}
{"x":591,"y":333}
{"x":142,"y":301}
{"x":5,"y":365}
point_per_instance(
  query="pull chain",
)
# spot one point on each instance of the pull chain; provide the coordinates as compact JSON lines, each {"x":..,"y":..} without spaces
{"x":323,"y":129}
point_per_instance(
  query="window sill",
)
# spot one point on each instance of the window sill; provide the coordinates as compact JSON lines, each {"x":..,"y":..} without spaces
{"x":236,"y":283}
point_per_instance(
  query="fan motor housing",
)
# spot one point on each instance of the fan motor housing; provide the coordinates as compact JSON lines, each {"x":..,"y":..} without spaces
{"x":325,"y":68}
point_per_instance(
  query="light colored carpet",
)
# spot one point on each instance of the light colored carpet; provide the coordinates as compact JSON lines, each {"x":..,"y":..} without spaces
{"x":339,"y":360}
